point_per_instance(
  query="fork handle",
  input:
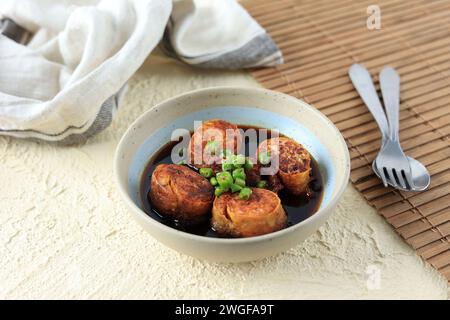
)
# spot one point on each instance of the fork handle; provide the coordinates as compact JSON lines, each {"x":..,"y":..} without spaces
{"x":363,"y":83}
{"x":390,"y":89}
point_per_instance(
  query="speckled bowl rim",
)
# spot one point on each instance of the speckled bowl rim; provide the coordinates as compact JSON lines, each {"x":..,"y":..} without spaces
{"x":267,"y":237}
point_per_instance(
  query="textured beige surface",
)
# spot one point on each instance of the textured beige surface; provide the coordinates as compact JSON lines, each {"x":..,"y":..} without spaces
{"x":64,"y":233}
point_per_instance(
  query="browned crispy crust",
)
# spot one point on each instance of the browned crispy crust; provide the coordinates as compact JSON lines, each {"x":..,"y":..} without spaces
{"x":261,"y":214}
{"x":181,"y":193}
{"x":225,"y":133}
{"x":294,"y":162}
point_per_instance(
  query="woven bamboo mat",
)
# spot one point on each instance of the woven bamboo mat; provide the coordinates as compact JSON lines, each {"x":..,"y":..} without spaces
{"x":320,"y":39}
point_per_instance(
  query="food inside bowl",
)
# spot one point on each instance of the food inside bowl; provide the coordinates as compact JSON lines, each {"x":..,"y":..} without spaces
{"x":230,"y":183}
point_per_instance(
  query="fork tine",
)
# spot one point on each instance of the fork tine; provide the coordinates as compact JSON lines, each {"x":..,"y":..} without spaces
{"x":390,"y":178}
{"x":408,"y":178}
{"x":400,"y":178}
{"x":382,"y":174}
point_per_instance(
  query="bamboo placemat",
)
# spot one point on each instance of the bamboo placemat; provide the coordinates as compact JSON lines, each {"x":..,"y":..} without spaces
{"x":320,"y":39}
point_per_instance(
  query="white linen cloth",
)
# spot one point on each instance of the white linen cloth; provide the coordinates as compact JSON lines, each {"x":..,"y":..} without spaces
{"x":66,"y":82}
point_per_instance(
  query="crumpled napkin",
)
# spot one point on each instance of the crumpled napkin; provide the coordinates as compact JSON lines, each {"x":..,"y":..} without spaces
{"x":64,"y":64}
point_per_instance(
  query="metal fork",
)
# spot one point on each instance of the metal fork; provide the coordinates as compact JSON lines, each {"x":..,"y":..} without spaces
{"x":391,"y":162}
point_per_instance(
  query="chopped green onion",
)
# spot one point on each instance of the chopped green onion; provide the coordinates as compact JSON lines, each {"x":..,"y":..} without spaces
{"x":227,"y":165}
{"x":262,"y":184}
{"x":206,"y":172}
{"x":239,"y":173}
{"x":240,"y":182}
{"x":264,"y":158}
{"x":235,"y":188}
{"x":226,"y":153}
{"x":238,"y":160}
{"x":212,"y":147}
{"x":182,"y":162}
{"x":213,"y":181}
{"x":248,"y":165}
{"x":245,"y":193}
{"x":219,"y":190}
{"x":224,"y":179}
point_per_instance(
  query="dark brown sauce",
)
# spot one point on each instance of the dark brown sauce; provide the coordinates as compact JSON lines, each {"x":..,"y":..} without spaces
{"x":298,"y":208}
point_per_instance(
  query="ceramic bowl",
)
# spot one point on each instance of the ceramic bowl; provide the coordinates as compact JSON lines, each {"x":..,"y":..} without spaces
{"x":247,"y":106}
